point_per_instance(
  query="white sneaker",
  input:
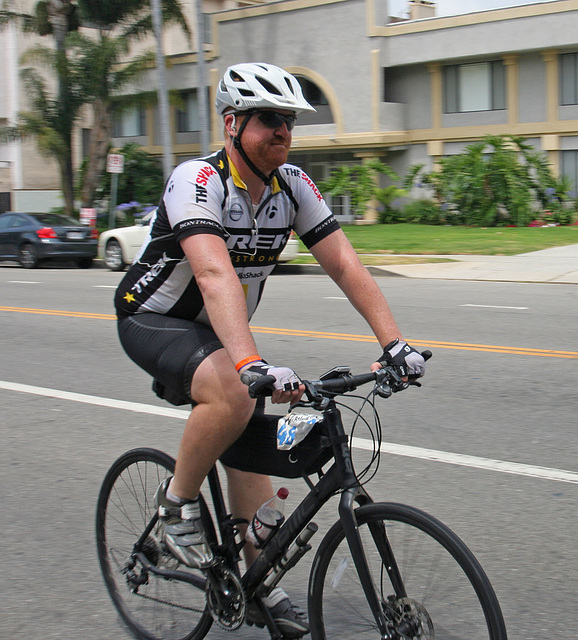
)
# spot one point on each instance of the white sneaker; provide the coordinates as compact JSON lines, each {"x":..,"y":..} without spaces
{"x":184,"y":534}
{"x":290,"y":619}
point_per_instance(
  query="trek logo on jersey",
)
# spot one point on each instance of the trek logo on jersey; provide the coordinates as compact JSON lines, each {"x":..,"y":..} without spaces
{"x":243,"y":242}
{"x":151,"y":274}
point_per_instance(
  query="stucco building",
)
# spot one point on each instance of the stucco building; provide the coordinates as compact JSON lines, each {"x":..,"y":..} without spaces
{"x":403,"y":90}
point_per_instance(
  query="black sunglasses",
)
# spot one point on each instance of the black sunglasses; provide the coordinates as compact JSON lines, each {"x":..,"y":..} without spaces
{"x":274,"y":119}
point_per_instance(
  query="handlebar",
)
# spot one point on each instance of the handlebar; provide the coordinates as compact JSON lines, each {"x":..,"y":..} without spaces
{"x":339,"y":381}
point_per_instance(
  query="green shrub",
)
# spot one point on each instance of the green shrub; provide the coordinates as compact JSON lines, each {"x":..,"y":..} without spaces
{"x":499,"y":181}
{"x":423,"y":211}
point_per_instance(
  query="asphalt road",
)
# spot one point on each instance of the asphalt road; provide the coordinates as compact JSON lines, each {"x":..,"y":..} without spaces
{"x":489,"y":440}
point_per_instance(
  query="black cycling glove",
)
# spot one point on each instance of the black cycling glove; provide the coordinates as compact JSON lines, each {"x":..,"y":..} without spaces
{"x":407,"y":361}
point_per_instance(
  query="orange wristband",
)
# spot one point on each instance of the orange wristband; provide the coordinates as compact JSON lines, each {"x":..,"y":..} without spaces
{"x":246,"y":361}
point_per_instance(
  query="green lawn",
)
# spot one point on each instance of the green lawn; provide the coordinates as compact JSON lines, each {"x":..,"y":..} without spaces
{"x":418,"y":239}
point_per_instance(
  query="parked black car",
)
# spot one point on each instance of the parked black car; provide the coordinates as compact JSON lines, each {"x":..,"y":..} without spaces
{"x":32,"y":238}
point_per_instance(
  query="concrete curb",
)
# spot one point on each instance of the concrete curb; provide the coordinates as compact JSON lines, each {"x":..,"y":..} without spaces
{"x":316,"y":270}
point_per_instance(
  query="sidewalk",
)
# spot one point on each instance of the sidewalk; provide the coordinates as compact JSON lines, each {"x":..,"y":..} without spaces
{"x":557,"y":265}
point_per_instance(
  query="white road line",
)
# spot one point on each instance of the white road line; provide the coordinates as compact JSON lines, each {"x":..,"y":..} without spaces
{"x":491,"y":306}
{"x":502,"y":466}
{"x":101,"y":402}
{"x":23,"y":282}
{"x":104,"y":286}
{"x":335,"y":298}
{"x":487,"y":464}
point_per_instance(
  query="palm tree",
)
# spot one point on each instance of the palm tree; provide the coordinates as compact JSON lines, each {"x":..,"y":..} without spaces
{"x":103,"y":78}
{"x":106,"y":79}
{"x":52,"y":121}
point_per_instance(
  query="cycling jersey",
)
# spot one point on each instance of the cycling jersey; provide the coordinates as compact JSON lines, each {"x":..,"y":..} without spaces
{"x":207,"y":195}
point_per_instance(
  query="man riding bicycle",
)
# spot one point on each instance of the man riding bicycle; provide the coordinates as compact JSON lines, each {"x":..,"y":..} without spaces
{"x":184,"y":305}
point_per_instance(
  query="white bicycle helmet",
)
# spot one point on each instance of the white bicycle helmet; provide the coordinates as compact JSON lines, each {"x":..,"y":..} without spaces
{"x":257,"y":85}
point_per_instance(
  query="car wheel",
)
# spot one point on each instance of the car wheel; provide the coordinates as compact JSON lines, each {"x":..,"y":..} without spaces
{"x":84,"y":263}
{"x":113,"y":256}
{"x":28,"y":256}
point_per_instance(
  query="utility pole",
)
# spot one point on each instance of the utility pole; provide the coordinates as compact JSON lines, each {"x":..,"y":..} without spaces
{"x":202,"y":83}
{"x":164,"y":115}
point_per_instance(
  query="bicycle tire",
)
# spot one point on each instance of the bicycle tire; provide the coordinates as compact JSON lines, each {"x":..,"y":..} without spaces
{"x":448,"y":595}
{"x":161,"y":608}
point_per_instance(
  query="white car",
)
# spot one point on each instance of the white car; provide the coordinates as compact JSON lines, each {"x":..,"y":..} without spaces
{"x":118,"y":247}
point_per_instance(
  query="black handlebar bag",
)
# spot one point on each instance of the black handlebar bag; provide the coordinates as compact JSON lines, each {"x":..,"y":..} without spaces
{"x":256,"y":450}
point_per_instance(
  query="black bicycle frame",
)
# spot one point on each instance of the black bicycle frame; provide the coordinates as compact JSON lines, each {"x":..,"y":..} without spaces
{"x":339,"y":477}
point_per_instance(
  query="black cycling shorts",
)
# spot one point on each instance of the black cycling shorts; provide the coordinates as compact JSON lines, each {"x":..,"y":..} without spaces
{"x":169,"y":349}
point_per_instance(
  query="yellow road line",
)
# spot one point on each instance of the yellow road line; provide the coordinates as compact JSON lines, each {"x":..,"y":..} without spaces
{"x":53,"y":312}
{"x":433,"y":344}
{"x":327,"y":335}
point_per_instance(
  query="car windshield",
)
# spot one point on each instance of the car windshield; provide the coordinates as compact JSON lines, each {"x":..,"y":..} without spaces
{"x":56,"y":220}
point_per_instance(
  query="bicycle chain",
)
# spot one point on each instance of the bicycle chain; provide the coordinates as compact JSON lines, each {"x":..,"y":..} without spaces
{"x":170,"y":604}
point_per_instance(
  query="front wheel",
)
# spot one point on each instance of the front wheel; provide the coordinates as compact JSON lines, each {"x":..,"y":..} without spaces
{"x":443,"y":594}
{"x":153,"y":607}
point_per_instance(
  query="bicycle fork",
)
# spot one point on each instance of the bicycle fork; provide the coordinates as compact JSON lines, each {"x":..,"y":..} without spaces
{"x":354,"y":493}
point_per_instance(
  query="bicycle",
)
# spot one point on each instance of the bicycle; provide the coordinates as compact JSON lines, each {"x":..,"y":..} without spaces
{"x":383,"y":570}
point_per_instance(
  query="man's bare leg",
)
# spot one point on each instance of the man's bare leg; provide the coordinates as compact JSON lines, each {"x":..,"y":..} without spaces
{"x":222,"y":412}
{"x":247,"y":492}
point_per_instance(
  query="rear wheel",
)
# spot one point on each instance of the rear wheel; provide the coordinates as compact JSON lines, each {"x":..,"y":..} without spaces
{"x":113,"y":257}
{"x":444,"y":592}
{"x":28,"y":256}
{"x":154,"y":607}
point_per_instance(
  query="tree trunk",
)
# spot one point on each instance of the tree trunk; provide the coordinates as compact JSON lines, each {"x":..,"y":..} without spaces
{"x":58,"y":14}
{"x":66,"y":181}
{"x":97,"y":151}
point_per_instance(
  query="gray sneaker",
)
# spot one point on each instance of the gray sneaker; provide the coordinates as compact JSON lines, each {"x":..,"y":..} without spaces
{"x":184,"y":535}
{"x":290,"y":619}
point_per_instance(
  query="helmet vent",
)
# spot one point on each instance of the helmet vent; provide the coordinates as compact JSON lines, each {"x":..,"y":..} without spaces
{"x":290,"y":86}
{"x":247,"y":92}
{"x":268,"y":86}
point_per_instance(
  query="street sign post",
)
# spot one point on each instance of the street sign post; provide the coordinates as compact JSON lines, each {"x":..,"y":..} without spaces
{"x":114,"y":166}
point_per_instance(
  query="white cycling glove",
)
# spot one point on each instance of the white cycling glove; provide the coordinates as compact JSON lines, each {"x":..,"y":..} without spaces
{"x":407,"y":361}
{"x":285,"y":379}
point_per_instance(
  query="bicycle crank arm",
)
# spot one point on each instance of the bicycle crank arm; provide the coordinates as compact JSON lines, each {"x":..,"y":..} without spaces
{"x":195,"y":580}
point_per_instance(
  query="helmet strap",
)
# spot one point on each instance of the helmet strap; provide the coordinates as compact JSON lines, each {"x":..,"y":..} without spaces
{"x":237,"y":144}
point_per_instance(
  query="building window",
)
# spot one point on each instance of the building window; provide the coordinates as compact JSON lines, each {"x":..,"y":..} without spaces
{"x":570,"y":168}
{"x":480,"y":86}
{"x":188,"y":113}
{"x":129,"y":122}
{"x":311,"y":92}
{"x":569,"y":78}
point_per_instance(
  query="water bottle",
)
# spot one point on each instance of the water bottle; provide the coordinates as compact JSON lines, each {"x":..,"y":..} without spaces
{"x":269,"y":518}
